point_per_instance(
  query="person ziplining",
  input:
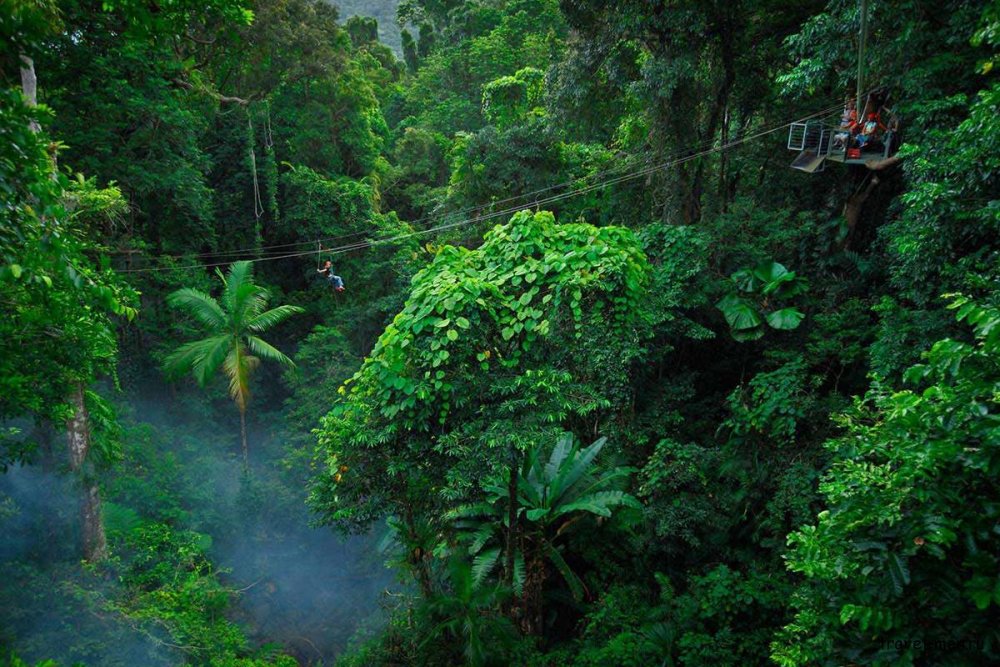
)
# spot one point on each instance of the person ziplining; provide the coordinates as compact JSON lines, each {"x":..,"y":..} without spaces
{"x":868,"y":131}
{"x":255,"y":253}
{"x":327,"y":272}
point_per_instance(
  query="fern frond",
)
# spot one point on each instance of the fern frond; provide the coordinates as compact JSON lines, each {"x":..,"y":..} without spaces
{"x":519,"y":570}
{"x":483,"y":564}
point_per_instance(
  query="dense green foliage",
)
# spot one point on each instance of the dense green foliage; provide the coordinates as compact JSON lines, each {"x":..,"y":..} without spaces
{"x":609,"y":384}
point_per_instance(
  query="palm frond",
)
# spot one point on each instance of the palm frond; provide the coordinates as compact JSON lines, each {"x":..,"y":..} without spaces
{"x":188,"y":356}
{"x":182,"y":359}
{"x":268,"y":352}
{"x":472,"y":510}
{"x":613,"y":479}
{"x":239,"y":274}
{"x":213,"y":357}
{"x":199,"y":305}
{"x":248,"y":301}
{"x":263,"y":321}
{"x":495,"y":492}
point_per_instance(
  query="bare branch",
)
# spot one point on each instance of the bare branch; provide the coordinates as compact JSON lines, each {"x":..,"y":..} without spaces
{"x":225,"y":99}
{"x":879,"y":165}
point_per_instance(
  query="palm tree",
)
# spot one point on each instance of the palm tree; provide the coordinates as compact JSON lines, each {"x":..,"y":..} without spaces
{"x":551,"y":497}
{"x":231,"y":342}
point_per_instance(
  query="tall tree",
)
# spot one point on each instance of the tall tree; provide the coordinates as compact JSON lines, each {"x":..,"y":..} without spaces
{"x":231,"y":325}
{"x":477,"y":369}
{"x":57,"y":336}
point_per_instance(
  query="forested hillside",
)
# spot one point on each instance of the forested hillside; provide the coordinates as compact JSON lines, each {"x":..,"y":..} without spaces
{"x":562,"y":333}
{"x":384,"y":13}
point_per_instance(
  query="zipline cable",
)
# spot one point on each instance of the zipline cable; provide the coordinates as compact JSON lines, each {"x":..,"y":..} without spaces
{"x":283,"y":248}
{"x":508,"y":211}
{"x":495,"y":214}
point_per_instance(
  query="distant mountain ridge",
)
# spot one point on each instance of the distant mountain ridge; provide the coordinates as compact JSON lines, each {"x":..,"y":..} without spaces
{"x":383,"y":11}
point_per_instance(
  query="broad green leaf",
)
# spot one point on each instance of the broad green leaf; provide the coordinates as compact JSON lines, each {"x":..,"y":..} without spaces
{"x":745,"y":280}
{"x":744,"y":335}
{"x":739,"y":312}
{"x":575,"y":585}
{"x":770,"y":272}
{"x":899,"y":572}
{"x":785,"y":319}
{"x":536,"y":514}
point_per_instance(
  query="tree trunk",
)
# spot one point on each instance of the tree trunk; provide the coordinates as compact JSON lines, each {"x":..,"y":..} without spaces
{"x":417,"y":557}
{"x":854,"y":205}
{"x":243,"y":434}
{"x":95,"y":544}
{"x":532,"y":617}
{"x":29,"y":82}
{"x":724,"y":162}
{"x":879,"y":165}
{"x":29,"y":85}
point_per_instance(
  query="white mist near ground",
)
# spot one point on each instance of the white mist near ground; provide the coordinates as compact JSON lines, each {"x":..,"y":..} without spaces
{"x":50,"y":606}
{"x":305,"y":588}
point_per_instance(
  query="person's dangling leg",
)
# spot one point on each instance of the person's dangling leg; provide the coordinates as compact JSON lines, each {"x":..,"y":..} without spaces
{"x":338,"y":283}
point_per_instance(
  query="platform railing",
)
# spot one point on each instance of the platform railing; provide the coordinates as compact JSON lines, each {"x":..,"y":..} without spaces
{"x":797,"y":136}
